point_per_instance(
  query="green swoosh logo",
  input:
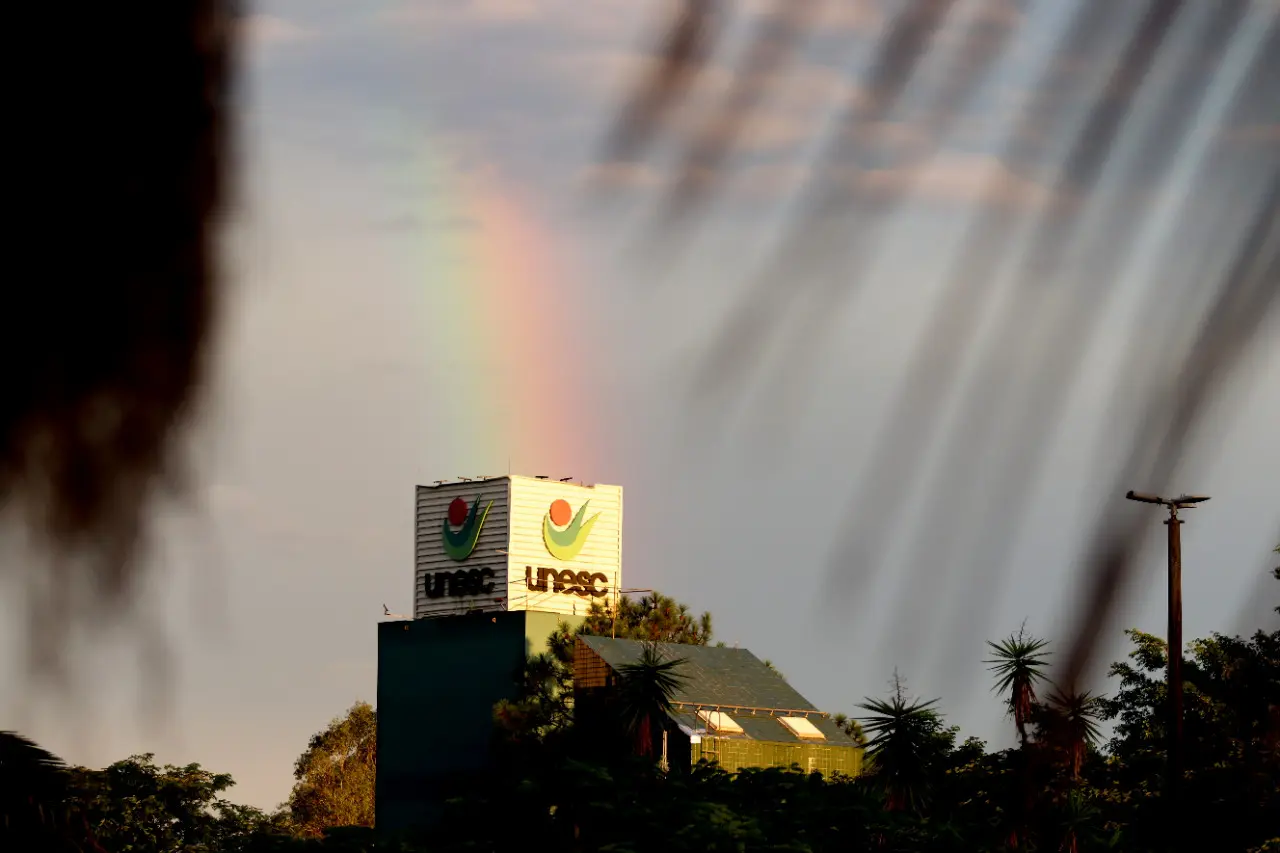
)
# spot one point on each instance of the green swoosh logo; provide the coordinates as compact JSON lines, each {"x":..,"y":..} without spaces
{"x":565,"y":544}
{"x":460,"y":545}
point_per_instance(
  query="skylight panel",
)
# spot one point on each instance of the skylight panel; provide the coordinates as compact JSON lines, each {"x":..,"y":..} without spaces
{"x":720,"y":721}
{"x":802,"y":728}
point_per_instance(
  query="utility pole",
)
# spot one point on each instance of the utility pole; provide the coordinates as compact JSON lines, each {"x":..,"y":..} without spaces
{"x":1175,"y":631}
{"x":1175,"y":643}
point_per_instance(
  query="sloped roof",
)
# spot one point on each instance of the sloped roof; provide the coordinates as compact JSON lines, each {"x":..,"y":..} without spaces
{"x":733,"y":680}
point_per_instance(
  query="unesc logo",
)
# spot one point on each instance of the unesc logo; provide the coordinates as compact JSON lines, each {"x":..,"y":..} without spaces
{"x":564,"y":537}
{"x":459,"y":544}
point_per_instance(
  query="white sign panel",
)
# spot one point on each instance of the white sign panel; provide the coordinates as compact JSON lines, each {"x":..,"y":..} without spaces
{"x":516,"y":543}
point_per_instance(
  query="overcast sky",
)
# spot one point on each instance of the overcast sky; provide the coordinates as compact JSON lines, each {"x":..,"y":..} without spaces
{"x":377,"y":139}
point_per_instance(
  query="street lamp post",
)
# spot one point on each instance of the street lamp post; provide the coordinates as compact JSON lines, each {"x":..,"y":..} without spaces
{"x":1175,"y":629}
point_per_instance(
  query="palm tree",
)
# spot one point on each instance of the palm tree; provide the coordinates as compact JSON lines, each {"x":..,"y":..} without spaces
{"x":645,"y":691}
{"x":850,"y":727}
{"x":1071,"y":723}
{"x":1018,"y":665}
{"x":904,"y":736}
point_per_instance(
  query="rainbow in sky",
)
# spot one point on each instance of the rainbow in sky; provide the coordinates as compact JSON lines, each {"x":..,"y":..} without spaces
{"x":505,"y":320}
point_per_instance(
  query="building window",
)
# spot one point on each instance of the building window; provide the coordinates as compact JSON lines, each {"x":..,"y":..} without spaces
{"x":720,"y":721}
{"x":802,"y":728}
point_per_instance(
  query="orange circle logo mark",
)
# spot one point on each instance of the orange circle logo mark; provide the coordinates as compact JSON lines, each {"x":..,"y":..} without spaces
{"x":560,"y":513}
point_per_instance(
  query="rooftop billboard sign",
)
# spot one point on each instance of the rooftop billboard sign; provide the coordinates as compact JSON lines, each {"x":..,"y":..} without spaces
{"x":516,"y":543}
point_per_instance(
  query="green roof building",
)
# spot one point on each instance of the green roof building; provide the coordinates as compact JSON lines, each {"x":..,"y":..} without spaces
{"x":732,"y":709}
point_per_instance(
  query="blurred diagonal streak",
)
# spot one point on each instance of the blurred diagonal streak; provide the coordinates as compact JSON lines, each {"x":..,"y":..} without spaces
{"x":1068,"y":267}
{"x":771,"y":47}
{"x":813,"y":235}
{"x":1065,"y":338}
{"x":1042,"y":336}
{"x":932,"y":373}
{"x":683,"y":53}
{"x":853,"y":250}
{"x":1246,"y":297}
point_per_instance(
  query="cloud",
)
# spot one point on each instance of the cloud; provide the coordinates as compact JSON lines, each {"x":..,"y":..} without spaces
{"x":1252,"y":134}
{"x":952,"y":180}
{"x":623,"y":176}
{"x":755,"y":182}
{"x":435,"y":18}
{"x":267,"y":30}
{"x":843,"y":17}
{"x":576,"y":57}
{"x":901,"y":137}
{"x":1001,"y":13}
{"x":485,"y":11}
{"x":617,"y":17}
{"x":959,"y":179}
{"x":793,"y":102}
{"x":505,"y":10}
{"x":600,"y":72}
{"x":772,"y":180}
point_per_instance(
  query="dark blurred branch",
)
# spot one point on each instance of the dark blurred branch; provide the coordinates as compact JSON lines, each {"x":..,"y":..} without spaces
{"x":686,"y":47}
{"x":121,"y":191}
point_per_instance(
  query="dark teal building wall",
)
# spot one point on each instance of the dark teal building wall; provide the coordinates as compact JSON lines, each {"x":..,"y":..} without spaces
{"x":438,"y":680}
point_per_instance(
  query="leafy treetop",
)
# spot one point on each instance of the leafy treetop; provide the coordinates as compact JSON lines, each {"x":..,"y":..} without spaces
{"x":653,"y":618}
{"x":335,"y":775}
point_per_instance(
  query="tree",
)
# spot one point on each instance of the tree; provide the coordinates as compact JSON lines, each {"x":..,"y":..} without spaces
{"x":907,"y":738}
{"x":37,"y":808}
{"x":544,"y":707}
{"x":851,"y":727}
{"x":1069,"y":722}
{"x":335,"y":775}
{"x":1019,"y":664}
{"x":653,"y":618}
{"x":919,"y":791}
{"x":1231,"y":736}
{"x":136,"y":806}
{"x":1078,"y":820}
{"x":645,"y":690}
{"x":1276,"y":574}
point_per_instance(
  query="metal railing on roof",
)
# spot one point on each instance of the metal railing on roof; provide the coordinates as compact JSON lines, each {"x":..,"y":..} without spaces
{"x":773,"y":712}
